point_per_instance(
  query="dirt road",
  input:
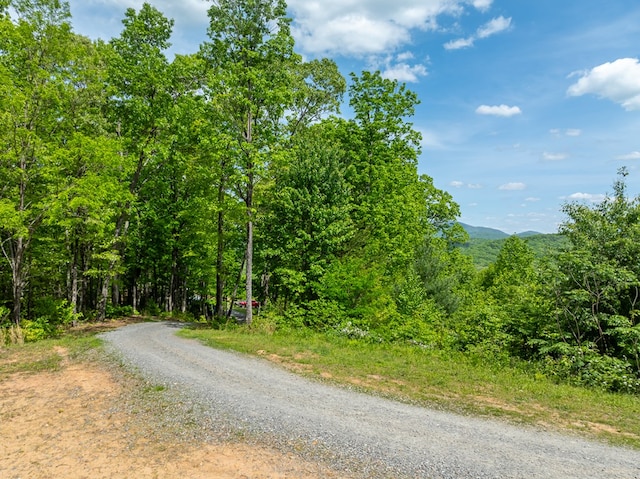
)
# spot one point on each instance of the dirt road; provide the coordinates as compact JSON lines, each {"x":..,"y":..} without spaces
{"x":356,"y":433}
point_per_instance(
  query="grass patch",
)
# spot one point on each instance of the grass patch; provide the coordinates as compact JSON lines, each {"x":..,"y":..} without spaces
{"x":446,"y":380}
{"x":44,"y":355}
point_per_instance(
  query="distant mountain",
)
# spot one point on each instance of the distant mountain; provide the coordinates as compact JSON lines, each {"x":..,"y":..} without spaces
{"x":482,"y":232}
{"x":485,"y":243}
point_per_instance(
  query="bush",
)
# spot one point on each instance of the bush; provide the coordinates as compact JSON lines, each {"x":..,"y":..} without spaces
{"x":112,"y":311}
{"x":424,"y":327}
{"x":587,"y":368}
{"x":37,"y":330}
{"x":4,"y":314}
{"x":322,"y":314}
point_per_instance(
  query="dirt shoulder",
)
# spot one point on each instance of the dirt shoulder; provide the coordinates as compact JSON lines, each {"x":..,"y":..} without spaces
{"x":92,"y":420}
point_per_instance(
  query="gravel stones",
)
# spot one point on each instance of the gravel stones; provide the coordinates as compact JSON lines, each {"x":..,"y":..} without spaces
{"x":363,"y":435}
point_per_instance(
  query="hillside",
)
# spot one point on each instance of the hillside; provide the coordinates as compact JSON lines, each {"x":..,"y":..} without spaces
{"x":483,"y":232}
{"x":485,"y":244}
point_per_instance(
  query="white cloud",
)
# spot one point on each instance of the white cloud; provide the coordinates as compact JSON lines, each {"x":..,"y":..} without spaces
{"x":573,"y":132}
{"x":512,"y":186}
{"x":532,"y":199}
{"x":364,"y":27}
{"x":501,"y":110}
{"x":405,"y":56}
{"x":554,"y":156}
{"x":400,"y":69}
{"x":496,"y":25}
{"x":459,"y":43}
{"x":482,"y":5}
{"x":593,"y":198}
{"x":474,"y":186}
{"x":634,"y":155}
{"x":618,"y":81}
{"x":456,"y":184}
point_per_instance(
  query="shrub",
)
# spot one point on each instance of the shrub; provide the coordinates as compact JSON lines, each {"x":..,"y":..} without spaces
{"x":587,"y":368}
{"x":37,"y":330}
{"x":112,"y":311}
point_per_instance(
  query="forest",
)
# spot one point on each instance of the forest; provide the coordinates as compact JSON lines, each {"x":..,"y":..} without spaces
{"x":135,"y":183}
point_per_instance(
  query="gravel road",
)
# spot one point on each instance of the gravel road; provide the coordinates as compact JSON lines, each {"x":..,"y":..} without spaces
{"x":360,"y":434}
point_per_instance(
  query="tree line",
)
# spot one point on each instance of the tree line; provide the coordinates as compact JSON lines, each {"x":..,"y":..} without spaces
{"x":131,"y":182}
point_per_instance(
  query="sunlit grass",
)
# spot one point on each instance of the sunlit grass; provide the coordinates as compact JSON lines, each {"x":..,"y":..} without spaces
{"x":44,"y":355}
{"x":446,"y":380}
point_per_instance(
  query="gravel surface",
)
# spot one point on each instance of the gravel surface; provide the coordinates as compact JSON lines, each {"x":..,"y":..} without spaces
{"x":359,"y":434}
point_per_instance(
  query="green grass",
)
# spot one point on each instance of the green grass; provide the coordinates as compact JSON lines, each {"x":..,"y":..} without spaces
{"x":446,"y":380}
{"x":44,"y":355}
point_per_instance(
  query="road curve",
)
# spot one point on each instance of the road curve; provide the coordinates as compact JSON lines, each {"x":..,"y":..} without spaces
{"x":368,"y":435}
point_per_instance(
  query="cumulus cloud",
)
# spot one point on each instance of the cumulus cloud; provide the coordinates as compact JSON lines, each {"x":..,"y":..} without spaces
{"x":456,"y":184}
{"x":482,"y":5}
{"x":512,"y":187}
{"x":554,"y":156}
{"x":400,"y":68}
{"x":634,"y":155}
{"x":499,"y":110}
{"x":496,"y":25}
{"x":363,"y":27}
{"x":593,"y":198}
{"x":618,"y":81}
{"x":459,"y":43}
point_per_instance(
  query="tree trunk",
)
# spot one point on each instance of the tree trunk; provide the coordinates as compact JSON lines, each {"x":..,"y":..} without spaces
{"x":73,"y":287}
{"x":219,"y":258}
{"x":249,"y":203}
{"x":134,"y":295}
{"x":17,"y":272}
{"x":235,"y":287}
{"x":249,"y":273}
{"x":122,"y":226}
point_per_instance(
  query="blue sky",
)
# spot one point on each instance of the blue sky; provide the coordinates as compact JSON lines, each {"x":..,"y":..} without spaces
{"x":525,"y":105}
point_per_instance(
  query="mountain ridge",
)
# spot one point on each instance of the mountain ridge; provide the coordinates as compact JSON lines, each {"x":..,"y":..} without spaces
{"x":483,"y":232}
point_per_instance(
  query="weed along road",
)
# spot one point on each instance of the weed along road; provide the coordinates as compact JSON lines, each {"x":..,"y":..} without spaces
{"x":362,"y":435}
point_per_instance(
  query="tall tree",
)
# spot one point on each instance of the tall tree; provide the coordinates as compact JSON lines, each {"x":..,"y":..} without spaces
{"x":141,"y":97}
{"x":307,"y":222}
{"x":383,"y":148}
{"x":598,"y":280}
{"x":251,"y":57}
{"x":37,"y":69}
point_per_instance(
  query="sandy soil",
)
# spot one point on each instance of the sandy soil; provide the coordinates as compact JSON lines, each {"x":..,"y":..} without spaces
{"x":67,"y":424}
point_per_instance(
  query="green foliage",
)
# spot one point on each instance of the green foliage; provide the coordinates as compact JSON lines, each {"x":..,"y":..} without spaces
{"x":359,"y":288}
{"x":4,"y":315}
{"x":37,"y":329}
{"x":596,"y":287}
{"x":119,"y":311}
{"x":307,"y":223}
{"x":585,"y":367}
{"x":485,"y":251}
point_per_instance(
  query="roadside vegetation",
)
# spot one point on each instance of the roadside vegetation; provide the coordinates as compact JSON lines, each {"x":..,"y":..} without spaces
{"x":134,"y":183}
{"x":457,"y":382}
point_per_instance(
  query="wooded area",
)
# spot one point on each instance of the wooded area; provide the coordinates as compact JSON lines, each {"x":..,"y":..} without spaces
{"x":131,"y":182}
